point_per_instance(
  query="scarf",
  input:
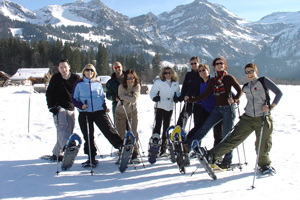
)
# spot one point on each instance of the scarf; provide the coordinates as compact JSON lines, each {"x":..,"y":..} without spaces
{"x":219,"y":86}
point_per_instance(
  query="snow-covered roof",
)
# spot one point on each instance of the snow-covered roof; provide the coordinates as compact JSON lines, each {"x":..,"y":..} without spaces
{"x":103,"y":79}
{"x":26,"y":73}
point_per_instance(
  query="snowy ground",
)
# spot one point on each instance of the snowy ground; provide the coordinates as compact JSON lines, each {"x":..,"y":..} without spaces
{"x":24,"y":176}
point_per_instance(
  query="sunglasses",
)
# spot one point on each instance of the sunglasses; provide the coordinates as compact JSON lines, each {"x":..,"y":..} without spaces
{"x":220,"y":63}
{"x":87,"y":70}
{"x":167,"y":72}
{"x":194,"y":63}
{"x":117,"y":67}
{"x":130,"y":78}
{"x":203,"y":70}
{"x":249,"y":72}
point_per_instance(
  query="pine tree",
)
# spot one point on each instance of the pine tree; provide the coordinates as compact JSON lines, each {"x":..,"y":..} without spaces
{"x":156,"y":62}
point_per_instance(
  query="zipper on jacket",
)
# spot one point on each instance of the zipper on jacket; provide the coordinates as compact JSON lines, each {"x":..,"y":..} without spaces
{"x":252,"y":100}
{"x":91,"y":95}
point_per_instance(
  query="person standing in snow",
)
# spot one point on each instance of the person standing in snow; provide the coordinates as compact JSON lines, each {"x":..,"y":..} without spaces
{"x":58,"y":96}
{"x":112,"y":85}
{"x":88,"y":96}
{"x":224,"y":110}
{"x":206,"y":106}
{"x":128,"y":94}
{"x":165,"y":91}
{"x":251,"y":120}
{"x":190,"y":88}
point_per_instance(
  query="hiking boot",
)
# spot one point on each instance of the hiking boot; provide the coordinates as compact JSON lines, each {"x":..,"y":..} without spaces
{"x":224,"y":166}
{"x":267,"y":169}
{"x":135,"y":159}
{"x":54,"y":158}
{"x":163,"y":153}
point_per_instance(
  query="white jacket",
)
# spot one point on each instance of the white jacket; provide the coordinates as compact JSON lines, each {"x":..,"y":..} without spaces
{"x":166,"y":93}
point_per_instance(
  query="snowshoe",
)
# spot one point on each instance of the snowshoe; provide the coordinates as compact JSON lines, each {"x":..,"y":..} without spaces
{"x":127,"y":150}
{"x":170,"y":144}
{"x":154,"y":147}
{"x":201,"y":155}
{"x":70,"y":151}
{"x":181,"y":153}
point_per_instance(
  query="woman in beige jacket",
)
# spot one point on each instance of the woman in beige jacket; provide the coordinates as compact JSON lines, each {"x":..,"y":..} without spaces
{"x":128,"y":92}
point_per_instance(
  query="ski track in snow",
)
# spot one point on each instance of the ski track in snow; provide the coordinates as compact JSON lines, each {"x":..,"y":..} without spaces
{"x":24,"y":176}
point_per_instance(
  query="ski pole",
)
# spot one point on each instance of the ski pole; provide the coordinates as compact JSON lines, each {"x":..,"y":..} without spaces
{"x":113,"y":127}
{"x":140,"y":144}
{"x":111,"y":151}
{"x":237,"y":148}
{"x":29,"y":110}
{"x":155,"y":110}
{"x":89,"y":142}
{"x":232,"y":117}
{"x":243,"y":142}
{"x":101,"y":156}
{"x":191,"y":117}
{"x":259,"y":144}
{"x":57,"y":154}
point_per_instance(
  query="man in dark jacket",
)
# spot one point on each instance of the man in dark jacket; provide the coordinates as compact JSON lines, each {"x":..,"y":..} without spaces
{"x":112,"y":85}
{"x":58,"y":95}
{"x":190,"y":88}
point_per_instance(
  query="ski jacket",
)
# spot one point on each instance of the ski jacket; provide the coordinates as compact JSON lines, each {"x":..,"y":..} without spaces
{"x":112,"y":87}
{"x":221,"y":100}
{"x":210,"y":102}
{"x":59,"y":91}
{"x":166,"y":93}
{"x":90,"y":91}
{"x":129,"y":97}
{"x":256,"y":96}
{"x":191,"y":84}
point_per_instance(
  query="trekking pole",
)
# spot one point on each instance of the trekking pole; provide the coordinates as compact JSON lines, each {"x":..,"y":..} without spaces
{"x":101,"y":156}
{"x":232,"y":116}
{"x":113,"y":127}
{"x":111,"y":151}
{"x":259,"y":144}
{"x":140,"y":144}
{"x":191,"y":117}
{"x":242,"y":142}
{"x":57,"y":142}
{"x":29,"y":110}
{"x":89,"y":142}
{"x":155,"y":110}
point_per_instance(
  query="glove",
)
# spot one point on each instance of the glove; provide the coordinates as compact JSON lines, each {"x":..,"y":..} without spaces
{"x":156,"y":99}
{"x":175,"y":98}
{"x":54,"y":110}
{"x":181,"y":98}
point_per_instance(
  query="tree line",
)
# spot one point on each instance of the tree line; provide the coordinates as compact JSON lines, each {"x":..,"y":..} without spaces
{"x":16,"y":53}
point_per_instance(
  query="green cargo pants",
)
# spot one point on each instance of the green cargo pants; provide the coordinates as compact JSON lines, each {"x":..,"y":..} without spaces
{"x":244,"y":128}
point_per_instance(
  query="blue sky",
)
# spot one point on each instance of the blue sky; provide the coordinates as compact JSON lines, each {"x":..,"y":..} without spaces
{"x":252,"y":10}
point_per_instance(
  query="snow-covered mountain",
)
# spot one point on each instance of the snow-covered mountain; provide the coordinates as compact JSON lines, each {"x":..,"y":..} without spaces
{"x":199,"y":28}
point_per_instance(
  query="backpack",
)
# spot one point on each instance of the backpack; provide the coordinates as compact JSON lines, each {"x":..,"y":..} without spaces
{"x":262,"y":81}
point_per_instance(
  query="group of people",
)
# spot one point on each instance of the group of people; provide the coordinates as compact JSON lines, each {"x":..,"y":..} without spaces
{"x":210,"y":99}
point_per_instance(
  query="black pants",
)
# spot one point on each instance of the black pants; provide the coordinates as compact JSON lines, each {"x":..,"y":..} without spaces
{"x":162,"y":117}
{"x":187,"y":112}
{"x":203,"y":115}
{"x":101,"y":120}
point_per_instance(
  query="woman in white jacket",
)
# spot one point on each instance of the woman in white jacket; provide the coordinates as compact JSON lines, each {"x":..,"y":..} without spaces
{"x":165,"y":91}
